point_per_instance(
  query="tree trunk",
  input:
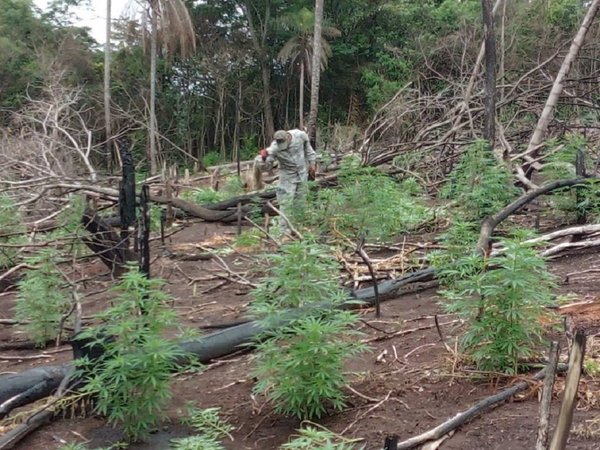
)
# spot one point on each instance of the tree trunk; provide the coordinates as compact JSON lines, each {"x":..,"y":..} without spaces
{"x":268,"y":111}
{"x":301,"y":96}
{"x":259,"y":43}
{"x":107,"y":121}
{"x":316,"y":72}
{"x":489,"y":126}
{"x":153,"y":49}
{"x":557,"y":87}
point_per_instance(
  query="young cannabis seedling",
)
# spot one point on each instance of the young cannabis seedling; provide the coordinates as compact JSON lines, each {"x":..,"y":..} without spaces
{"x":131,"y":382}
{"x":310,"y":438}
{"x":211,"y":427}
{"x":199,"y":442}
{"x":208,"y":422}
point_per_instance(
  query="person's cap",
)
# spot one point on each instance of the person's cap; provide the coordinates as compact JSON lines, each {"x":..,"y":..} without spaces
{"x":281,"y":137}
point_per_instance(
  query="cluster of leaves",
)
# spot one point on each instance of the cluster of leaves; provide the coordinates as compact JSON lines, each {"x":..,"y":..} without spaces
{"x":211,"y":427}
{"x":367,"y":202}
{"x":311,"y":438}
{"x":11,"y":228}
{"x":504,"y":301}
{"x":479,"y":184}
{"x":42,"y":301}
{"x":300,"y":358}
{"x":131,"y":381}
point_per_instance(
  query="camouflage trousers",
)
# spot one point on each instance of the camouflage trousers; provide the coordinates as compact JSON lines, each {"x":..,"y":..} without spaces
{"x":291,"y":196}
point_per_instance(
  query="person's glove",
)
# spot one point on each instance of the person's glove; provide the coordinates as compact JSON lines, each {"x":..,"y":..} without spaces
{"x":312,"y":172}
{"x":263,"y":154}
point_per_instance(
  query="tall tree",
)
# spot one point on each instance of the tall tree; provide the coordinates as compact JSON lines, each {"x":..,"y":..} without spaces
{"x":107,"y":118}
{"x":298,"y":50}
{"x":489,"y":126}
{"x":557,"y":86}
{"x":316,"y":71}
{"x":259,"y":31}
{"x":170,"y":19}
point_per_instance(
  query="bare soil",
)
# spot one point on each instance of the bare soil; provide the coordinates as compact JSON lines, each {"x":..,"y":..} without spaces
{"x":407,"y":384}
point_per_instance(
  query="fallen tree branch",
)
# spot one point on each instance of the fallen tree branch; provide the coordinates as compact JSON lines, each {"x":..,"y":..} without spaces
{"x":466,"y":416}
{"x":490,"y":223}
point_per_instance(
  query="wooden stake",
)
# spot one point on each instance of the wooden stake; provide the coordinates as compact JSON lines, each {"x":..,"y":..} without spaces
{"x":565,"y":417}
{"x":542,"y":439}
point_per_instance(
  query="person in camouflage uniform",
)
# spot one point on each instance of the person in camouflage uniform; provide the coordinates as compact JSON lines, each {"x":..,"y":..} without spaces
{"x":297,"y":164}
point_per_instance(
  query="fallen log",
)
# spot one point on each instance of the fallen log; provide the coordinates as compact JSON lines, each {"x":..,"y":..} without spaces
{"x":14,"y":385}
{"x":209,"y":347}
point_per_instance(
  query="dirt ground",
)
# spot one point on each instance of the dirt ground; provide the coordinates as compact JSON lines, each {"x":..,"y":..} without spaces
{"x":405,"y":385}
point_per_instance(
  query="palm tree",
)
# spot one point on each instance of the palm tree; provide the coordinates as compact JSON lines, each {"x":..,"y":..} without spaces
{"x":298,"y":50}
{"x":316,"y":72}
{"x":171,"y":23}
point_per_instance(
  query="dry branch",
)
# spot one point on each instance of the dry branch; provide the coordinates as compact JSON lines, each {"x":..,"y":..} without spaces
{"x":542,"y":437}
{"x":468,"y":415}
{"x":490,"y":223}
{"x":565,"y":417}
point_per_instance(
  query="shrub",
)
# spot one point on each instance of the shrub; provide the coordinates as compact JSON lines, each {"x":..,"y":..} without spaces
{"x":300,"y":364}
{"x":42,"y":300}
{"x":479,"y":185}
{"x":504,"y":303}
{"x":131,"y":380}
{"x":211,"y":159}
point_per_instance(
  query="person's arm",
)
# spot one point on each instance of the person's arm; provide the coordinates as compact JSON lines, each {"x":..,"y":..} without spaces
{"x":311,"y":157}
{"x":266,"y":156}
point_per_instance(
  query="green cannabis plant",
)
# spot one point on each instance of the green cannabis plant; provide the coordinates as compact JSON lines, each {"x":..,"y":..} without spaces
{"x":504,"y":303}
{"x":199,"y":442}
{"x":211,"y":427}
{"x":42,"y":300}
{"x":131,"y":382}
{"x":479,"y":184}
{"x":302,"y":274}
{"x":300,"y":361}
{"x":366,"y":202}
{"x":208,"y":422}
{"x":311,"y":438}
